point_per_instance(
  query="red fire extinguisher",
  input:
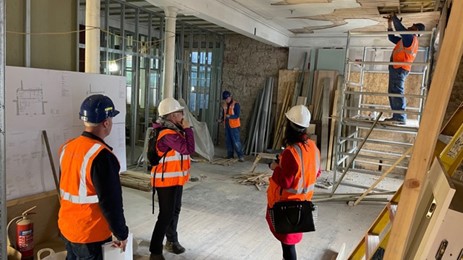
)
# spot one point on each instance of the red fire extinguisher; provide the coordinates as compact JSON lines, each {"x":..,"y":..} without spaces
{"x":24,"y":234}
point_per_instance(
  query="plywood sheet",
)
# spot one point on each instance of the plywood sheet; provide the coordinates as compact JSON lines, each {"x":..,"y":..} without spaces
{"x":319,"y":76}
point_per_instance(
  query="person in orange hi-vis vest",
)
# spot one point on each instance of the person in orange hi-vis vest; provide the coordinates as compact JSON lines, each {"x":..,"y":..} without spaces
{"x":294,"y":173}
{"x":174,"y":145}
{"x":405,"y":50}
{"x":231,"y":117}
{"x":91,"y":209}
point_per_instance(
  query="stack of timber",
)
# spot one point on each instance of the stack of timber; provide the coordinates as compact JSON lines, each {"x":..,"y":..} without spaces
{"x":286,"y":85}
{"x":136,"y":180}
{"x":294,"y":89}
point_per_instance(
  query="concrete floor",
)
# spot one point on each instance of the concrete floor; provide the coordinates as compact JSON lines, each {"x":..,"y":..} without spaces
{"x":222,"y":219}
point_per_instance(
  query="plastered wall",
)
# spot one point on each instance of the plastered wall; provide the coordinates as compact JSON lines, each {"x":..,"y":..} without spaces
{"x":53,"y":38}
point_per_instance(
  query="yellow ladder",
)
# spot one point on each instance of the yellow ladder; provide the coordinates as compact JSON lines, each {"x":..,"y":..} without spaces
{"x":450,"y":154}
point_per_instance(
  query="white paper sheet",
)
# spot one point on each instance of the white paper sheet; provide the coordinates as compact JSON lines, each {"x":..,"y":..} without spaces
{"x":114,"y":253}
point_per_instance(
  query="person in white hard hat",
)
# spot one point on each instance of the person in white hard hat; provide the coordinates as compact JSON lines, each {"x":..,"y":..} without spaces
{"x":175,"y":143}
{"x":300,"y":160}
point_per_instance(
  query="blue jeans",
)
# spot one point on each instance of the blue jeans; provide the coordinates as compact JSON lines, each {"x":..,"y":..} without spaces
{"x":396,"y":86}
{"x":232,"y":139}
{"x":90,"y":251}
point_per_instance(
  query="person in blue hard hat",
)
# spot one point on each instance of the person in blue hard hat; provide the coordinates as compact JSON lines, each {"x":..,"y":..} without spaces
{"x":405,"y":50}
{"x":91,"y":211}
{"x":231,"y":118}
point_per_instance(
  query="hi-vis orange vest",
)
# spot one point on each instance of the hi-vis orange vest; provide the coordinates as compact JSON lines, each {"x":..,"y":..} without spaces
{"x":307,"y":157}
{"x":173,"y":169}
{"x":233,"y":122}
{"x":405,"y":54}
{"x":80,"y":219}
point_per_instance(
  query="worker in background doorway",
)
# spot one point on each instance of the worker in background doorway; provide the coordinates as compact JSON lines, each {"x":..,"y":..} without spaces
{"x":231,"y":117}
{"x":90,"y":189}
{"x":405,"y":50}
{"x":176,"y":141}
{"x":299,"y":161}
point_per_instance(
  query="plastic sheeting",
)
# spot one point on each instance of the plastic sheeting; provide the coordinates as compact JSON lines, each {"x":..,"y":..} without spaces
{"x":204,"y":145}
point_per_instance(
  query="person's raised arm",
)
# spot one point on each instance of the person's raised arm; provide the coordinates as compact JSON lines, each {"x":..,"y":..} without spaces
{"x":407,"y":39}
{"x":392,"y":38}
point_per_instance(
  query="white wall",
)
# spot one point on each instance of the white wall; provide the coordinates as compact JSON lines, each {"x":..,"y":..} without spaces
{"x":49,"y":100}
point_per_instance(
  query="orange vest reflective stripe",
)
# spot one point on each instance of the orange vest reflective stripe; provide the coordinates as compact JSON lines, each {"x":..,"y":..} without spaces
{"x":173,"y":169}
{"x":307,"y":157}
{"x":405,"y":54}
{"x":233,"y":122}
{"x":80,"y":219}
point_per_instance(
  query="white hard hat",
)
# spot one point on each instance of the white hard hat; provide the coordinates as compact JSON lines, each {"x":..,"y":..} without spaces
{"x":168,"y":105}
{"x":299,"y":115}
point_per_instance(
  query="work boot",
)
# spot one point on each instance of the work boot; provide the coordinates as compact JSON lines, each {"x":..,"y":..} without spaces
{"x":157,"y":257}
{"x":174,"y":247}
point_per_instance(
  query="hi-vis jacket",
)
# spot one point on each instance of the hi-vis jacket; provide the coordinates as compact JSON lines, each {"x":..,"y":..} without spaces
{"x":405,"y":54}
{"x":80,"y":217}
{"x":307,"y":157}
{"x":233,"y":122}
{"x":173,"y":169}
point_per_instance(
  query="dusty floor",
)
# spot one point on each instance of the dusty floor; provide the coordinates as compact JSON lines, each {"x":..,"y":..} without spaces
{"x":222,"y":219}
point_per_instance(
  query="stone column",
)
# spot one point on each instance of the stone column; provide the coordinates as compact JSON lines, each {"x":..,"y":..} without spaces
{"x":169,"y":52}
{"x":92,"y":37}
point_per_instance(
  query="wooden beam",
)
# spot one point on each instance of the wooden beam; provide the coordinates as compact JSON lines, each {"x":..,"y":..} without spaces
{"x":435,"y":107}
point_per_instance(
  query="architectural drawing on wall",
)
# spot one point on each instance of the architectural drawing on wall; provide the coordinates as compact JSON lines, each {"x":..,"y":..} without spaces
{"x":91,"y":91}
{"x":29,"y":102}
{"x":60,"y":94}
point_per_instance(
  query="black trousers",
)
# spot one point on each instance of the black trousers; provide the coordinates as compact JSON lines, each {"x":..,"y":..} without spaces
{"x":170,"y":203}
{"x":289,"y":252}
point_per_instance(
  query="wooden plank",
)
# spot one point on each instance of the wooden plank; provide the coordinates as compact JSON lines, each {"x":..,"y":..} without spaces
{"x":383,"y":176}
{"x":325,"y":120}
{"x":318,"y":90}
{"x":286,"y":79}
{"x":436,"y":104}
{"x":333,"y":123}
{"x":301,"y":100}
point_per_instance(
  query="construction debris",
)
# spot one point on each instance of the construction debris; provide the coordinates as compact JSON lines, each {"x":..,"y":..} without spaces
{"x":324,"y":184}
{"x":256,"y":179}
{"x":224,"y":161}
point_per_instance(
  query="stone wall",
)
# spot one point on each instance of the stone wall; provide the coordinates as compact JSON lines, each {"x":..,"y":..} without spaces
{"x":246,"y":66}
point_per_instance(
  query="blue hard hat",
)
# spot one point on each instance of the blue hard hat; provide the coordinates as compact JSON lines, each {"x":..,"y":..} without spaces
{"x":97,"y":108}
{"x":226,"y":94}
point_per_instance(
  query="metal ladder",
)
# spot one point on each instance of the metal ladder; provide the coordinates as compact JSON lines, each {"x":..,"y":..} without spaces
{"x":450,"y":154}
{"x":360,"y":103}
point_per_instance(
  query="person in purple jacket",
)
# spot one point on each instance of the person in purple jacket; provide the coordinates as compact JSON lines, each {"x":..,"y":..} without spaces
{"x":175,"y":143}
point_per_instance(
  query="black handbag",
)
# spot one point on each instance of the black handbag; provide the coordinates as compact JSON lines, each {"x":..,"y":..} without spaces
{"x":292,"y":216}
